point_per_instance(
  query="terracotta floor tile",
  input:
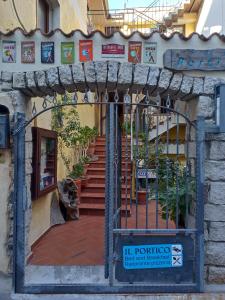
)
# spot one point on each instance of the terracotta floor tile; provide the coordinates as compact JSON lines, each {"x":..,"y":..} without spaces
{"x":81,"y":242}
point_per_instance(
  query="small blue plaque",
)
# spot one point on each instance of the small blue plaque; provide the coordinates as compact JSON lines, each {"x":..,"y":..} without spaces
{"x":152,"y":256}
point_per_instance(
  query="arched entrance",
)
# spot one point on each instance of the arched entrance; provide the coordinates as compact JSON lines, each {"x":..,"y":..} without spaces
{"x":150,"y":188}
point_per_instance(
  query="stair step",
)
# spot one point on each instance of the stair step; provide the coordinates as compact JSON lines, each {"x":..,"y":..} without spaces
{"x":103,"y":138}
{"x":101,"y":185}
{"x":102,"y":155}
{"x":96,"y":195}
{"x":100,"y":178}
{"x":103,"y":146}
{"x":101,"y":171}
{"x":98,"y":209}
{"x":102,"y":164}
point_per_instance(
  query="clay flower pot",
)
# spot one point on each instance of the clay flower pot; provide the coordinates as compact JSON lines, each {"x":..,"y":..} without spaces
{"x":91,"y":149}
{"x":84,"y":182}
{"x":78,"y":184}
{"x":141,"y":197}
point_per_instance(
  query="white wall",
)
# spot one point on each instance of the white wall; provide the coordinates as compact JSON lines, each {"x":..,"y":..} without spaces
{"x":212,"y":17}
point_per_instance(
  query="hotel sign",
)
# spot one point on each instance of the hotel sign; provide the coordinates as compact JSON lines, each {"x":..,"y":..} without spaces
{"x":113,"y":50}
{"x":189,"y":59}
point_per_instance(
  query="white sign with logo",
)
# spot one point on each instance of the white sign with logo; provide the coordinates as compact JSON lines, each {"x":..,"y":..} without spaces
{"x":143,"y":173}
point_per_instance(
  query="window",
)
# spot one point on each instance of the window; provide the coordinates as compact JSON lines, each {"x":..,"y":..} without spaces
{"x":48,"y":14}
{"x":111,"y":30}
{"x":43,"y":16}
{"x":44,"y":164}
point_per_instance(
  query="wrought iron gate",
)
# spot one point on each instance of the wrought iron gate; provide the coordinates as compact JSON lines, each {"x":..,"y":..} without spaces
{"x":154,"y":229}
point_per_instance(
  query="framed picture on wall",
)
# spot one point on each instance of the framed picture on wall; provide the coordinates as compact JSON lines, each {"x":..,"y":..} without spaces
{"x":134,"y":52}
{"x":47,"y":53}
{"x":67,"y":52}
{"x":28,"y":52}
{"x":85,"y":50}
{"x":8,"y":51}
{"x":150,"y":53}
{"x":44,"y":177}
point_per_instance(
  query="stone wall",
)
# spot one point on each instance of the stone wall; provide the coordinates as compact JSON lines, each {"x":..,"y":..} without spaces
{"x":198,"y":95}
{"x":15,"y":101}
{"x":215,"y":208}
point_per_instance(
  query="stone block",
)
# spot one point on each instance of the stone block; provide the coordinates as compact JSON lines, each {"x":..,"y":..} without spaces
{"x":186,"y":88}
{"x":217,"y":231}
{"x":217,"y":150}
{"x":216,"y":275}
{"x":7,"y":80}
{"x":215,"y":170}
{"x":153,"y":78}
{"x":175,"y":84}
{"x":40,"y":78}
{"x":217,"y":193}
{"x":28,"y":135}
{"x":53,"y":81}
{"x":28,"y":167}
{"x":19,"y":80}
{"x":29,"y":150}
{"x":205,"y":107}
{"x":206,"y":232}
{"x":214,"y":213}
{"x":101,"y":71}
{"x":32,"y":85}
{"x":215,"y":137}
{"x":78,"y":77}
{"x":215,"y":254}
{"x":192,"y":150}
{"x":209,"y":85}
{"x":140,"y":77}
{"x":89,"y":71}
{"x":66,"y":79}
{"x":19,"y":83}
{"x":113,"y":69}
{"x":198,"y":86}
{"x":125,"y":76}
{"x":164,"y":80}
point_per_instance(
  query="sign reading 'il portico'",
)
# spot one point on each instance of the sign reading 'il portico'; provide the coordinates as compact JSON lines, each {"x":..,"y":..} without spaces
{"x":188,"y":59}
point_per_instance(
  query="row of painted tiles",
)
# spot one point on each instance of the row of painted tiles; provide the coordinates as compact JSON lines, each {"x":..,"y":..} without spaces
{"x":9,"y":51}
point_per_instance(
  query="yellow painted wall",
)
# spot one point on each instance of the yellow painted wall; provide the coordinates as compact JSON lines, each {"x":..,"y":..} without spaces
{"x":73,"y":17}
{"x":8,"y":19}
{"x":73,"y":14}
{"x":189,"y":28}
{"x":40,"y":217}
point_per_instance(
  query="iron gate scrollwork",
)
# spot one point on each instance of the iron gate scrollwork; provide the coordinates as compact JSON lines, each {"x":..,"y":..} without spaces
{"x":153,"y":197}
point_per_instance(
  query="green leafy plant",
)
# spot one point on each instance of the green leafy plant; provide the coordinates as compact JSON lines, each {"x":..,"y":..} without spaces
{"x":175,"y":187}
{"x":174,"y":196}
{"x":66,"y":123}
{"x":77,"y":171}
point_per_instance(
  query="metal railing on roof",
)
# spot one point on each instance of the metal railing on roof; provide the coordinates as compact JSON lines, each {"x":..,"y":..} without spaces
{"x":128,"y":20}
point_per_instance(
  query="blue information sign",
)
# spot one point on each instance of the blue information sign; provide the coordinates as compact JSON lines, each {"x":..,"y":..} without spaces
{"x":152,"y":256}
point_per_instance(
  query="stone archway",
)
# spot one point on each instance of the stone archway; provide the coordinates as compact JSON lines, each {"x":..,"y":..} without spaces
{"x":108,"y":75}
{"x":99,"y":76}
{"x":113,"y":75}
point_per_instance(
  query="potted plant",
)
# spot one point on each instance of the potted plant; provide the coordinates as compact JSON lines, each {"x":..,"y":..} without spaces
{"x":76,"y":174}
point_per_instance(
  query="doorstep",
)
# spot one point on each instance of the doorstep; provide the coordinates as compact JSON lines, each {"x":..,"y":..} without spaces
{"x":205,"y":296}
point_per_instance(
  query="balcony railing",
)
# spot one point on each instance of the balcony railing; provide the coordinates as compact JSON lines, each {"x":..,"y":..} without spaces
{"x":142,"y":19}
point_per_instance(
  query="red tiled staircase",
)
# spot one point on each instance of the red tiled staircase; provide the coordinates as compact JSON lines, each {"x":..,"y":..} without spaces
{"x":93,"y":192}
